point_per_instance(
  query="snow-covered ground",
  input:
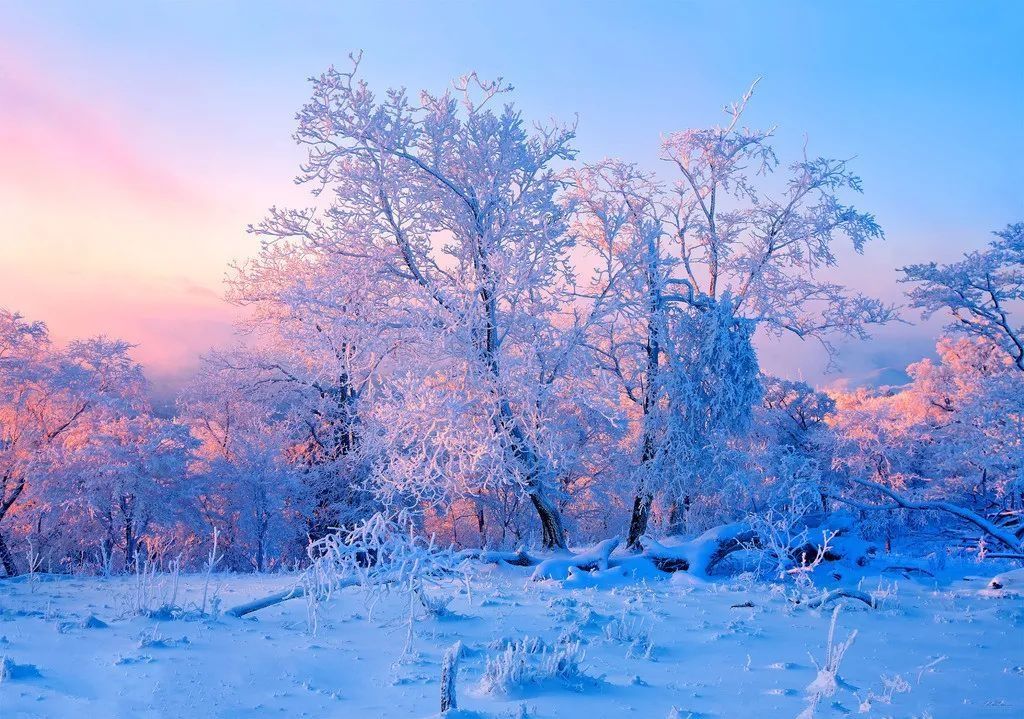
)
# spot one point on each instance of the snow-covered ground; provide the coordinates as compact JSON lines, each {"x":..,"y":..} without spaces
{"x":675,"y":647}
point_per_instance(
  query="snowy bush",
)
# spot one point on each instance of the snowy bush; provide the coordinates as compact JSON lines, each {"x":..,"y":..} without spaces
{"x":382,"y":555}
{"x":151,"y":592}
{"x":633,"y":632}
{"x":530,"y":662}
{"x":827,"y":680}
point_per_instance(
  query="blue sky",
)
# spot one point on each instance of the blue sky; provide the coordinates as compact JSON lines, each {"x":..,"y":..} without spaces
{"x":199,"y":97}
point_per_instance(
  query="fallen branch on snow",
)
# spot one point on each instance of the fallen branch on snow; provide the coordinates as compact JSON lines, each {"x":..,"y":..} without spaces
{"x":518,"y":558}
{"x":1009,"y":539}
{"x":699,"y":556}
{"x":831,"y":595}
{"x":254,"y":606}
{"x":558,"y":567}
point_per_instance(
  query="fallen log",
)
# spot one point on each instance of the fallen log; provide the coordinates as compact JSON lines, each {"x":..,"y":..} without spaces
{"x":558,"y":567}
{"x":518,"y":558}
{"x":254,"y":606}
{"x":908,"y":572}
{"x":294,"y":592}
{"x":699,"y":556}
{"x":832,"y":595}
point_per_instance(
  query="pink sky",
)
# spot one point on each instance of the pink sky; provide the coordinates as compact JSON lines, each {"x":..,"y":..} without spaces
{"x":116,"y":234}
{"x":106,"y":236}
{"x":138,"y":141}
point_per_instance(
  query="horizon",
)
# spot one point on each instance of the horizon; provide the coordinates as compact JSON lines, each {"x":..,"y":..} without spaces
{"x":140,"y":142}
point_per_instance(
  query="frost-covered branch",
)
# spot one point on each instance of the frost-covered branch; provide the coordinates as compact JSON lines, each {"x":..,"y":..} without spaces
{"x":1010,"y":540}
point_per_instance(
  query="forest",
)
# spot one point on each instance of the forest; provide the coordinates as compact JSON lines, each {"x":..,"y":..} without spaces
{"x":472,"y":353}
{"x":506,"y":347}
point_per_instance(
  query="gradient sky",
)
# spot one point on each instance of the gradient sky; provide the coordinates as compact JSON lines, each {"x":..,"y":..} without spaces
{"x":138,"y":139}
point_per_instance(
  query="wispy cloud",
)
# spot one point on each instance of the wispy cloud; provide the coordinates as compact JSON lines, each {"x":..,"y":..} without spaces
{"x":51,"y":140}
{"x":102,"y":235}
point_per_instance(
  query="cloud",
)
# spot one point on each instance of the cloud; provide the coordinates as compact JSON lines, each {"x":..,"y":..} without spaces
{"x":52,"y":141}
{"x":101,"y":235}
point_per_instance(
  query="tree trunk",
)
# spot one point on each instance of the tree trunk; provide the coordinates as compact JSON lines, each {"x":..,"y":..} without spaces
{"x":638,"y":521}
{"x":525,"y":453}
{"x":481,"y":525}
{"x":523,"y":448}
{"x":129,"y":545}
{"x":642,"y":501}
{"x":7,"y":559}
{"x":644,"y":497}
{"x":550,"y":521}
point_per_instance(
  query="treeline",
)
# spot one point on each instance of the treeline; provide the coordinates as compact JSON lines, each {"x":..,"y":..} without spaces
{"x":472,"y":328}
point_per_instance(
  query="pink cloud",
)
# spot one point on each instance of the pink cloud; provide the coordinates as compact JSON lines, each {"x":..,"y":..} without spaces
{"x":169,"y":320}
{"x":49,"y":139}
{"x":104,"y":237}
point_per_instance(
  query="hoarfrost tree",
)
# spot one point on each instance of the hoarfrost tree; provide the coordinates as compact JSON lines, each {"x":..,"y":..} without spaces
{"x":798,"y":412}
{"x":46,"y":395}
{"x":133,"y":470}
{"x":955,"y":442}
{"x":24,"y":356}
{"x":249,"y":486}
{"x":616,"y":217}
{"x":317,"y":338}
{"x":981,"y":291}
{"x":449,"y":203}
{"x":976,"y":397}
{"x":949,"y":441}
{"x":720,"y":252}
{"x":794,"y":422}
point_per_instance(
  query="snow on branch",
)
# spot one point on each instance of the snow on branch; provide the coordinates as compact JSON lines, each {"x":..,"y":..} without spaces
{"x":1005,"y":537}
{"x":379,"y":554}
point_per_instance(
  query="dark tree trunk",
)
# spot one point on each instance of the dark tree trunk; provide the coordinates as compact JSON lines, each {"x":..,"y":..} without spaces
{"x":7,"y":559}
{"x":129,"y":545}
{"x":525,"y":453}
{"x":553,"y":532}
{"x":481,"y":525}
{"x":644,"y":497}
{"x":638,"y":521}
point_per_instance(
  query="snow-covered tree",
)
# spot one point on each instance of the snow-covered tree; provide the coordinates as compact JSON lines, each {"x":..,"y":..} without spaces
{"x":953,"y":435}
{"x":247,"y":486}
{"x":132,"y":470}
{"x":981,"y":292}
{"x":446,"y":208}
{"x":951,"y":440}
{"x":318,"y":337}
{"x":616,"y":218}
{"x":48,"y":395}
{"x":718,"y":252}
